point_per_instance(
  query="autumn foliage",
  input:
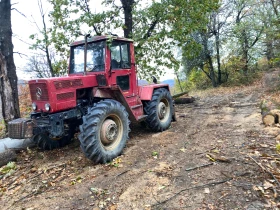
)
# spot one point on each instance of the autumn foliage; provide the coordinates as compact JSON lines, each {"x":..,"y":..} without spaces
{"x":24,"y":100}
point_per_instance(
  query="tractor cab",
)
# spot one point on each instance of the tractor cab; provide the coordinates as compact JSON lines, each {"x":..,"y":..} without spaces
{"x":111,"y":60}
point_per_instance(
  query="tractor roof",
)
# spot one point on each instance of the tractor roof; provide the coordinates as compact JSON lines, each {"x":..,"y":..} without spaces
{"x":99,"y":38}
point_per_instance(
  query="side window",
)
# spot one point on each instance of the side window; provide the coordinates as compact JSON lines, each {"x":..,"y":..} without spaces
{"x":120,"y":55}
{"x":115,"y":56}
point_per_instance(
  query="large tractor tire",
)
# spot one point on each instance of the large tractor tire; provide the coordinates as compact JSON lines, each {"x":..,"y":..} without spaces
{"x":159,"y":110}
{"x":104,"y":131}
{"x":44,"y":142}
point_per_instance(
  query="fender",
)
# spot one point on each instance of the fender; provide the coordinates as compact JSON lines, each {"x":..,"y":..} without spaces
{"x":135,"y":112}
{"x":146,"y":92}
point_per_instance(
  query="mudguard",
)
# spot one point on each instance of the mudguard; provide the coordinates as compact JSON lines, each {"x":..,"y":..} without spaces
{"x":146,"y":92}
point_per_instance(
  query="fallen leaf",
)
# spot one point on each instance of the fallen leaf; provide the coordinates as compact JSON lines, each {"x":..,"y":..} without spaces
{"x":11,"y":166}
{"x":264,"y":145}
{"x":267,"y":185}
{"x":183,"y":149}
{"x":154,"y":153}
{"x":113,"y":207}
{"x":161,"y":187}
{"x":210,"y":157}
{"x":216,"y":151}
{"x":102,"y":204}
{"x":258,"y":188}
{"x":257,"y":153}
{"x":278,"y":147}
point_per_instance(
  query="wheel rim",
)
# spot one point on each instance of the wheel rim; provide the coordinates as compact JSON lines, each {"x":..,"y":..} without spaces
{"x":163,"y":110}
{"x":111,"y":132}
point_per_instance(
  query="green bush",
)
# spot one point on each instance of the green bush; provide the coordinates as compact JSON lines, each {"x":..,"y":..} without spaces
{"x":196,"y":80}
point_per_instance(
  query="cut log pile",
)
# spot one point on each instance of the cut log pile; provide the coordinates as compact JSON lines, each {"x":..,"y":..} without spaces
{"x":271,"y":118}
{"x":270,"y":113}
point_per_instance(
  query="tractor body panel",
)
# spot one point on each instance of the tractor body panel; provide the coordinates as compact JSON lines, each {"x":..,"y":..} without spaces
{"x":59,"y":93}
{"x":146,"y":92}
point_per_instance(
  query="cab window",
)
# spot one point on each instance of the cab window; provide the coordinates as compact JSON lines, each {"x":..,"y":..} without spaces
{"x":95,"y":58}
{"x":120,"y":55}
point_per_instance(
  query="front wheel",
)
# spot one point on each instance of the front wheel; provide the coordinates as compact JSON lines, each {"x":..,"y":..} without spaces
{"x":44,"y":142}
{"x":104,"y":131}
{"x":159,"y":110}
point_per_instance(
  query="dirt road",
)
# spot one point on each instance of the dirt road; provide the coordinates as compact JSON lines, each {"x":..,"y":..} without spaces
{"x":169,"y":170}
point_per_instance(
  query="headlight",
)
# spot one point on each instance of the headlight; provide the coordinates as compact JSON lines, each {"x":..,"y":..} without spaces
{"x":34,"y":106}
{"x":47,"y":107}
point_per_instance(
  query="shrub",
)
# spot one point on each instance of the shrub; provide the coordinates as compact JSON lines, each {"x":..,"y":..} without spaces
{"x":24,"y":100}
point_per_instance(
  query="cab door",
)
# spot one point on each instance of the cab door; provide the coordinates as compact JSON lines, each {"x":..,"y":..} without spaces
{"x":121,"y":65}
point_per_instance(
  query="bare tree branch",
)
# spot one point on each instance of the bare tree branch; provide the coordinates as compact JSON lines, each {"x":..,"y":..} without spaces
{"x":20,"y":54}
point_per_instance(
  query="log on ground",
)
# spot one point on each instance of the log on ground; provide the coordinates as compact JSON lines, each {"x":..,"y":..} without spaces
{"x":179,"y":94}
{"x":184,"y":100}
{"x":7,"y":156}
{"x":268,"y":119}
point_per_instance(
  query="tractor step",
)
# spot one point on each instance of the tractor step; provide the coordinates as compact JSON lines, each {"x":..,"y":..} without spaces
{"x":136,"y":106}
{"x":141,"y":118}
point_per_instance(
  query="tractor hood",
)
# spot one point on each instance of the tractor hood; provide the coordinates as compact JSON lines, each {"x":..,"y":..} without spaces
{"x":59,"y":93}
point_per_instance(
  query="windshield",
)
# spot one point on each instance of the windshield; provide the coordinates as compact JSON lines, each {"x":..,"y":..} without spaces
{"x":95,"y":58}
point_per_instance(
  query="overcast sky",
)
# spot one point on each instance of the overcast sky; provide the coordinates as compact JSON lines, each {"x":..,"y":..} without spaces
{"x":24,"y":16}
{"x":22,"y":28}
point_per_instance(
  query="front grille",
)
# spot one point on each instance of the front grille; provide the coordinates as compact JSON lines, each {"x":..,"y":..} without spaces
{"x":68,"y":83}
{"x":39,"y":92}
{"x":20,"y":128}
{"x":63,"y":96}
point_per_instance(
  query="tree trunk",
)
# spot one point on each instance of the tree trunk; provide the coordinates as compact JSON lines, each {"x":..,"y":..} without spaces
{"x":8,"y":77}
{"x":211,"y":75}
{"x":217,"y":40}
{"x":216,"y":32}
{"x":245,"y":50}
{"x":212,"y":72}
{"x":127,"y":7}
{"x":268,"y":44}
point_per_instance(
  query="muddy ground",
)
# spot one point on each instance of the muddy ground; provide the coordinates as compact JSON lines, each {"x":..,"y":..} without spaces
{"x":218,"y":155}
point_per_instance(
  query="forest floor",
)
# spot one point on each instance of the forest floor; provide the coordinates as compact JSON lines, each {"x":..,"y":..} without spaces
{"x":218,"y":155}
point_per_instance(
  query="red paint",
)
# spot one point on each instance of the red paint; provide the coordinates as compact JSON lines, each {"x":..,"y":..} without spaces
{"x":146,"y":92}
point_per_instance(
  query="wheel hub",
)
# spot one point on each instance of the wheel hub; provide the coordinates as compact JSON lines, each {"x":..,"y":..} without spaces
{"x":161,"y":110}
{"x":109,"y":132}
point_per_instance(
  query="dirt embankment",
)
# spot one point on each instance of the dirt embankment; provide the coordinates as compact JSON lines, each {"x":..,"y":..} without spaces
{"x":217,"y":155}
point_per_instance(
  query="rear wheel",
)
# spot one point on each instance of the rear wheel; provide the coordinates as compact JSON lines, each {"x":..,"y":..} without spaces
{"x":44,"y":142}
{"x":159,"y":110}
{"x":104,"y":131}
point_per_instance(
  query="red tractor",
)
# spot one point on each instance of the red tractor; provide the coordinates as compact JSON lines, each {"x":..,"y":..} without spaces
{"x":100,"y":96}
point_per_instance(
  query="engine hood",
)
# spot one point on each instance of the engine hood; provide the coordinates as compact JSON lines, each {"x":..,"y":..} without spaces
{"x":59,"y":92}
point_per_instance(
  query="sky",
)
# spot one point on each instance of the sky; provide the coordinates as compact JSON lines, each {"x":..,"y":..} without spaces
{"x":25,"y":17}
